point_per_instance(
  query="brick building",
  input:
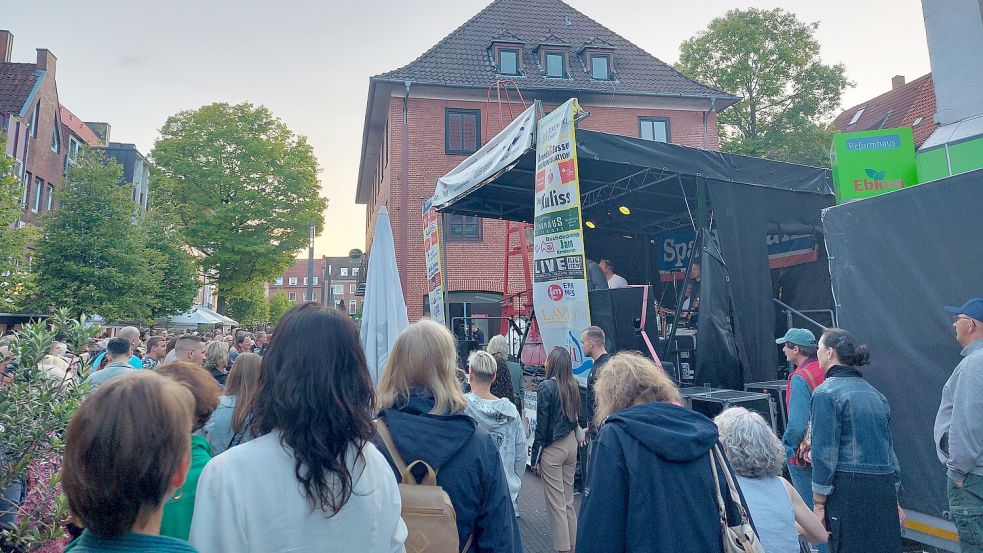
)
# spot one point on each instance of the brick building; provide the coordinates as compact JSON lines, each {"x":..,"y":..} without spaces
{"x":29,"y":95}
{"x":335,"y":280}
{"x":551,"y":52}
{"x":905,"y":105}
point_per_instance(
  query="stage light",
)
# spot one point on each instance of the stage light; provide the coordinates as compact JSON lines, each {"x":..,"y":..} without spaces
{"x":590,"y":224}
{"x":624,"y":210}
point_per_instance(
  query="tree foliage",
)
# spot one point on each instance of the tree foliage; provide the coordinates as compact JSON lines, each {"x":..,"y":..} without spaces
{"x":91,"y":257}
{"x":771,"y":59}
{"x":171,"y":265}
{"x":278,"y":305}
{"x":15,"y":280}
{"x":250,"y":307}
{"x":244,"y":189}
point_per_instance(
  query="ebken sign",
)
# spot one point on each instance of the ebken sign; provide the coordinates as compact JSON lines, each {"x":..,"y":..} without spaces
{"x":869,"y":163}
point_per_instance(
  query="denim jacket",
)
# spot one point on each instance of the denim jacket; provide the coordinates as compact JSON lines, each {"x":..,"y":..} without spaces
{"x":851,"y":429}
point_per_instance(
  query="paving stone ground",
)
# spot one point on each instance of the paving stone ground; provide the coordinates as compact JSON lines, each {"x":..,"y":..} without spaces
{"x":533,"y":522}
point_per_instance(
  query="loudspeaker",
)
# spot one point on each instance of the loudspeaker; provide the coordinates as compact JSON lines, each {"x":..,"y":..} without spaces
{"x":713,"y":403}
{"x":619,"y":313}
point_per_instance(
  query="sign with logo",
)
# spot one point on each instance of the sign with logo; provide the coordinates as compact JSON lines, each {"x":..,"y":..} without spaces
{"x":869,"y":163}
{"x":560,"y":283}
{"x":435,"y":276}
{"x":784,"y":250}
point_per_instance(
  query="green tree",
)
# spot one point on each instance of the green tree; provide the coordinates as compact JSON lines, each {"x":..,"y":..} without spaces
{"x":771,"y":59}
{"x":171,"y":264}
{"x":250,"y":307}
{"x":91,"y":257}
{"x":15,"y":280}
{"x":244,"y":189}
{"x":278,"y":305}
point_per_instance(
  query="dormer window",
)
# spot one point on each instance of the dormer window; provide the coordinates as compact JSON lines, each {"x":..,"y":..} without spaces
{"x":508,"y":61}
{"x":556,"y":65}
{"x":600,"y":67}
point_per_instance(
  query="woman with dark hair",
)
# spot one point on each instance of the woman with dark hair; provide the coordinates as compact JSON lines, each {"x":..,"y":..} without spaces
{"x":311,"y":479}
{"x":180,"y":508}
{"x":126,"y":452}
{"x":554,"y":451}
{"x":855,"y":472}
{"x":228,"y":425}
{"x":422,"y":406}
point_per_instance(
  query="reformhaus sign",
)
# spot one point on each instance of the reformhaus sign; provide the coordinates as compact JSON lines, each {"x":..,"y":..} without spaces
{"x":869,"y":163}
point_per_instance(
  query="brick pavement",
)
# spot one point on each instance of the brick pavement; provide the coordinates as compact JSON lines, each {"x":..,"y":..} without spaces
{"x":533,"y":522}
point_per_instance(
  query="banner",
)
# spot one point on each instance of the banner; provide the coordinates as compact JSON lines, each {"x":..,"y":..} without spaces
{"x":784,"y":250}
{"x":870,"y":163}
{"x":435,"y":273}
{"x":560,"y":283}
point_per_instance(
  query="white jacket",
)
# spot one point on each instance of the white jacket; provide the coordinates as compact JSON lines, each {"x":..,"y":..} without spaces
{"x":248,"y":500}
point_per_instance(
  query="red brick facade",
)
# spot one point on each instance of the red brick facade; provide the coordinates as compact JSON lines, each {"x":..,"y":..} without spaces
{"x":344,"y":277}
{"x":44,"y":166}
{"x":478,"y":266}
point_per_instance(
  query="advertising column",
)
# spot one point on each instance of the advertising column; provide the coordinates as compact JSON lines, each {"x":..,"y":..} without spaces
{"x":560,"y":283}
{"x":435,"y":273}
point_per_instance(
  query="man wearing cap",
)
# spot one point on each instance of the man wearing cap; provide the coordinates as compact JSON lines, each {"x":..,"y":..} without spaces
{"x":959,"y":427}
{"x":799,"y":346}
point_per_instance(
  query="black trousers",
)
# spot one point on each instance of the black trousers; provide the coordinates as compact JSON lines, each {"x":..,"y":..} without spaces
{"x":862,"y":514}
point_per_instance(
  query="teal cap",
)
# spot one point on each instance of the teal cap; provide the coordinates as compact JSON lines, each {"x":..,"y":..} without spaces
{"x":798,"y":337}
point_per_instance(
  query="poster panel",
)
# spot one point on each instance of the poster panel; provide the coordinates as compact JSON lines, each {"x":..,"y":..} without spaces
{"x":435,"y":273}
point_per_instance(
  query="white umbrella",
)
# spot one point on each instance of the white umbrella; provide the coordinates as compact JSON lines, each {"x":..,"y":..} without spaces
{"x":384,"y":310}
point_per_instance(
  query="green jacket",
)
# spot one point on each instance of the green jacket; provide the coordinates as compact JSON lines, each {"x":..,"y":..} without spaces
{"x":178,"y":512}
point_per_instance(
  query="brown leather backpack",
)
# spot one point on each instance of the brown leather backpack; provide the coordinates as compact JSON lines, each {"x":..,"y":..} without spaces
{"x":429,"y":516}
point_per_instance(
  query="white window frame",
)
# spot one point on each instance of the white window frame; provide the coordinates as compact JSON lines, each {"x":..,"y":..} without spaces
{"x":38,"y":187}
{"x":305,"y":281}
{"x":51,"y":193}
{"x":315,"y":281}
{"x":352,"y":307}
{"x":279,"y":281}
{"x":344,"y":271}
{"x":292,"y":296}
{"x":292,"y":281}
{"x":354,"y":271}
{"x":73,"y":149}
{"x":351,"y":288}
{"x":338,"y":290}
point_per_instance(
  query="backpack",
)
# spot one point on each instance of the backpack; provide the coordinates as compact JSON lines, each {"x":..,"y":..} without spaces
{"x":430,"y":519}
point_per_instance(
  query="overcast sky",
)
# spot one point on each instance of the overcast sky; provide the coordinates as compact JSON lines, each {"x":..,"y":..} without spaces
{"x":132,"y":63}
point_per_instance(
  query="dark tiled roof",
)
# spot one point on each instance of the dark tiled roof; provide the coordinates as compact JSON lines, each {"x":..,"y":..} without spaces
{"x":17,"y":80}
{"x":462,"y":58}
{"x":899,"y":107}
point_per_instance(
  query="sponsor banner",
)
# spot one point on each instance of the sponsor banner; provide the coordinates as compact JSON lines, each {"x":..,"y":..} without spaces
{"x":560,"y":283}
{"x":784,"y":250}
{"x":435,"y":277}
{"x":869,"y":163}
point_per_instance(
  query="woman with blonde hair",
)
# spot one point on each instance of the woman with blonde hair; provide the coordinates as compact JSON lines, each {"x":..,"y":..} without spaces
{"x":229,"y":424}
{"x":217,"y":361}
{"x":422,"y":409}
{"x":650,"y":468}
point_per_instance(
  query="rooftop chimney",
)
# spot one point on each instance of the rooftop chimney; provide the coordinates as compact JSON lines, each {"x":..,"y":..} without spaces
{"x":46,"y":60}
{"x":897,"y":82}
{"x":6,"y":45}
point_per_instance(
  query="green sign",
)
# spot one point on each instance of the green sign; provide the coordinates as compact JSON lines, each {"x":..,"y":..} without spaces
{"x":558,"y":221}
{"x":869,"y":163}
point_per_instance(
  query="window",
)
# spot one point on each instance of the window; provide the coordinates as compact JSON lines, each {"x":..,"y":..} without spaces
{"x":35,"y":119}
{"x":351,"y":307}
{"x":56,"y":138}
{"x":653,"y":128}
{"x":344,"y":271}
{"x":305,"y":281}
{"x":508,"y":61}
{"x":27,"y":189}
{"x":38,"y":188}
{"x":338,"y":289}
{"x":556,"y":65}
{"x":73,"y":149}
{"x":857,"y":116}
{"x":354,"y":271}
{"x":918,"y":122}
{"x":600,"y":67}
{"x":292,"y":281}
{"x":462,"y":228}
{"x":315,"y":297}
{"x":292,"y":296}
{"x":279,"y":281}
{"x":351,"y":288}
{"x":51,"y":195}
{"x":462,"y":131}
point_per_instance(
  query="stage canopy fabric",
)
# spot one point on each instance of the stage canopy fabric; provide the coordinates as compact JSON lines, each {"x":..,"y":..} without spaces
{"x":897,"y":259}
{"x":749,"y":198}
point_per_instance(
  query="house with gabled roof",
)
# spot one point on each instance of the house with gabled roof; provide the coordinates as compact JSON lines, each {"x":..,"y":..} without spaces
{"x":907,"y":104}
{"x":423,"y":119}
{"x":29,"y":96}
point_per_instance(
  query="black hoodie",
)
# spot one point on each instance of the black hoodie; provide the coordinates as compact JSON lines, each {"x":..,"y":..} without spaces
{"x":468,"y":467}
{"x":650,"y":486}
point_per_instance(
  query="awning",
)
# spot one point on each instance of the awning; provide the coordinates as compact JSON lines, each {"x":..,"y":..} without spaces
{"x":199,"y":314}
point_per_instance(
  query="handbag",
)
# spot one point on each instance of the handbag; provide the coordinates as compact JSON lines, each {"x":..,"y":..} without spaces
{"x":581,"y":434}
{"x":737,"y":539}
{"x":803,"y":453}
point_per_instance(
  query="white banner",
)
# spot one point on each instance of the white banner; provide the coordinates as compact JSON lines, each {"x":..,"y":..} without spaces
{"x":431,"y":247}
{"x":560,"y":287}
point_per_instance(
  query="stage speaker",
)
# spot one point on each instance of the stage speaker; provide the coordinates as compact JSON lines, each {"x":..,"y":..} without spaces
{"x":619,"y":313}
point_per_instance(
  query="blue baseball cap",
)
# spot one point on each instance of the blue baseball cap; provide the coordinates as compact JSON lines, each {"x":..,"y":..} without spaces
{"x":798,"y":337}
{"x":972,"y":308}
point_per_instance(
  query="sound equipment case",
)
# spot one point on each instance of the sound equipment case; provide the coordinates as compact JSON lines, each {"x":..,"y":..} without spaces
{"x":713,"y":403}
{"x":775,"y":389}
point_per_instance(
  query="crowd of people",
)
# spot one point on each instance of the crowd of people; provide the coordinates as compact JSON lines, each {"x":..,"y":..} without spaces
{"x":294,"y":447}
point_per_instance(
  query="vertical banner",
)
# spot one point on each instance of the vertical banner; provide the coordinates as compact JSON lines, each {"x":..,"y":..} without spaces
{"x":435,"y":273}
{"x":560,"y":287}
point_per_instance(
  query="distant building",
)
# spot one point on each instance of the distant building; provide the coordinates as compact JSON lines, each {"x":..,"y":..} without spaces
{"x":905,"y":105}
{"x":335,"y":283}
{"x":136,"y":170}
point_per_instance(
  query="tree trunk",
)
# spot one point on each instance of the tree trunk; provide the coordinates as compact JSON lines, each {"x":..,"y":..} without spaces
{"x":220,"y":304}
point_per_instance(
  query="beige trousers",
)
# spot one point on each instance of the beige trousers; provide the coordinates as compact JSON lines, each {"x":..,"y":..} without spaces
{"x":558,"y":463}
